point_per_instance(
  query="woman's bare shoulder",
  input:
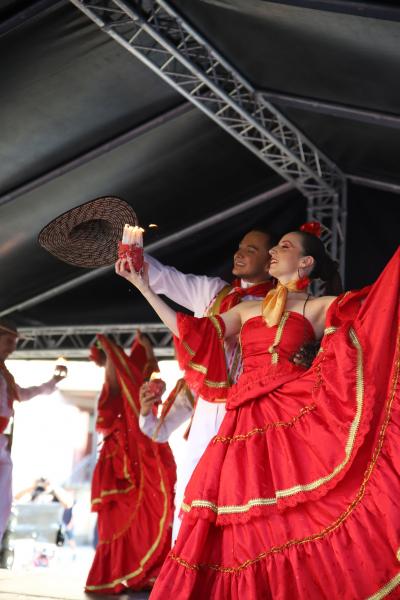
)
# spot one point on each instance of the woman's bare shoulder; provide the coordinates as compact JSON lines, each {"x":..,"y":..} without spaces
{"x":321,"y":302}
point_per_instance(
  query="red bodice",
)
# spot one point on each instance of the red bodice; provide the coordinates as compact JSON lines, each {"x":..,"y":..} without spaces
{"x":273,"y":345}
{"x":267,"y":356}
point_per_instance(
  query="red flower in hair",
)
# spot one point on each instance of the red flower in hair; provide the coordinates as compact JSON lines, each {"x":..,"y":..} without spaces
{"x":312,"y":227}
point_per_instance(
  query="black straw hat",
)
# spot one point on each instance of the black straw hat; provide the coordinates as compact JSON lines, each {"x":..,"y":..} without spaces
{"x":88,"y":235}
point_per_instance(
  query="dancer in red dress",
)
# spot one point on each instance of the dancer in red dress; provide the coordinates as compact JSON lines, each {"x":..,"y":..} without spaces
{"x":297,"y":496}
{"x":133,"y":482}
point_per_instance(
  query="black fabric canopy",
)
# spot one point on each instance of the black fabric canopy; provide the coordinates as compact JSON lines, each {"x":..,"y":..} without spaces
{"x":82,"y":118}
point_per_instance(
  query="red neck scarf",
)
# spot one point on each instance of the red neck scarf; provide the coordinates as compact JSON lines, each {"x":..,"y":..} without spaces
{"x":238,"y":293}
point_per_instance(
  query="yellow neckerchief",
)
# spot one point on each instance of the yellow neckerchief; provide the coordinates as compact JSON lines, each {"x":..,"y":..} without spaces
{"x":273,"y":305}
{"x":11,"y":385}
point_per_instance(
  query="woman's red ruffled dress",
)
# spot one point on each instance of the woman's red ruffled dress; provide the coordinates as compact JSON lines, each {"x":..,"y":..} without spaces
{"x":298,"y":496}
{"x":132,"y":487}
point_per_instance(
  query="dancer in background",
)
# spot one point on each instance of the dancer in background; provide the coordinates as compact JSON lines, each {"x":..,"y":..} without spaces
{"x":133,"y":482}
{"x":177,"y":409}
{"x":304,"y":470}
{"x":10,"y":392}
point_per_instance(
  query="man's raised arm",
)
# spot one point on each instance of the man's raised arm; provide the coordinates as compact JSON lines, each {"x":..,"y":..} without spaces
{"x":194,"y":292}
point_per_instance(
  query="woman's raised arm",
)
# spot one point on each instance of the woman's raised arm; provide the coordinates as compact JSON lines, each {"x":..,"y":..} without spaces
{"x":141,"y":282}
{"x":232,"y":318}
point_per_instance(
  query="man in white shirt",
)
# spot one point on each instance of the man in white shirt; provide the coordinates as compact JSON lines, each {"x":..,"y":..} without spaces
{"x":177,"y":408}
{"x":10,"y":391}
{"x":209,"y":295}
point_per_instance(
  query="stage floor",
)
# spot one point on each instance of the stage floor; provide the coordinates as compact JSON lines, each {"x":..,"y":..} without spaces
{"x":45,"y":585}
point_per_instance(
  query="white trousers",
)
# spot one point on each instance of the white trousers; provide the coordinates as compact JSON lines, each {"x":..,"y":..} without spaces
{"x":5,"y":484}
{"x":207,"y":419}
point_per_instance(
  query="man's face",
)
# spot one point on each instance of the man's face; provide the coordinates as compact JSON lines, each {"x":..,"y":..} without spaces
{"x":8,"y":343}
{"x":251,"y":260}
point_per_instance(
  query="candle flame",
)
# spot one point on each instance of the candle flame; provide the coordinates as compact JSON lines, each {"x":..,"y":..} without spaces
{"x":61,"y":361}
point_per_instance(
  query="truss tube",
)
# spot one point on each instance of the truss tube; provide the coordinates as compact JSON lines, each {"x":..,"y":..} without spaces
{"x":378,"y":184}
{"x":73,"y":341}
{"x":334,"y":109}
{"x":166,"y":241}
{"x":76,"y":353}
{"x":358,"y":8}
{"x":126,"y":137}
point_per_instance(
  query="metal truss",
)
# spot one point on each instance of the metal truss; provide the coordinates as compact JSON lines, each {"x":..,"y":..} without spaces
{"x":73,"y":342}
{"x":165,"y":241}
{"x":158,"y":36}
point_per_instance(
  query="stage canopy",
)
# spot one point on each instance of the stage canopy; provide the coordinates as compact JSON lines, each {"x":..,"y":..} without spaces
{"x":82,"y":118}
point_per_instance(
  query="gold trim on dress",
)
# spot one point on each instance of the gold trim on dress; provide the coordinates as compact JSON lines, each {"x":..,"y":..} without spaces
{"x":126,"y":526}
{"x":217,"y":326}
{"x":342,"y":518}
{"x":122,"y":357}
{"x":313,"y":485}
{"x":329,"y":330}
{"x":125,"y":578}
{"x":116,"y":491}
{"x":386,"y":589}
{"x":204,"y":370}
{"x":243,"y":436}
{"x":228,"y":509}
{"x":129,"y":397}
{"x":104,"y":493}
{"x":279,"y":332}
{"x":188,"y":348}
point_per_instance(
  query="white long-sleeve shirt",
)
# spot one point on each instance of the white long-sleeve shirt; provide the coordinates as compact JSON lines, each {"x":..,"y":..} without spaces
{"x":180,"y":411}
{"x":194,"y":292}
{"x":6,"y":410}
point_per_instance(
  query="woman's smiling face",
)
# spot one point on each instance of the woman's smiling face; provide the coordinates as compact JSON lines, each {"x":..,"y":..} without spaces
{"x":287,"y":257}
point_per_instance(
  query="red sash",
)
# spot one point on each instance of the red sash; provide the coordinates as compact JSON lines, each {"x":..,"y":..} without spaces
{"x":235,"y":296}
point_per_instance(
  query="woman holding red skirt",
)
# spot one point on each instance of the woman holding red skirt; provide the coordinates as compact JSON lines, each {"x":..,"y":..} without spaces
{"x":297,"y":497}
{"x":133,"y":481}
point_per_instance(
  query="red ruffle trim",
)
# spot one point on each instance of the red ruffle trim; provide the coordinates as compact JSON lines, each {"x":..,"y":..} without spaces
{"x":135,"y":535}
{"x":200,"y":352}
{"x":302,"y":434}
{"x":113,"y":479}
{"x":319,"y":550}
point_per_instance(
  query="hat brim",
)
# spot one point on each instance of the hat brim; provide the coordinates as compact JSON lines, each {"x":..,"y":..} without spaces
{"x":88,"y":235}
{"x":8,"y":331}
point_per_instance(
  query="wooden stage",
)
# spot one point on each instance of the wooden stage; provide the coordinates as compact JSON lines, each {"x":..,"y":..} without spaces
{"x":48,"y":585}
